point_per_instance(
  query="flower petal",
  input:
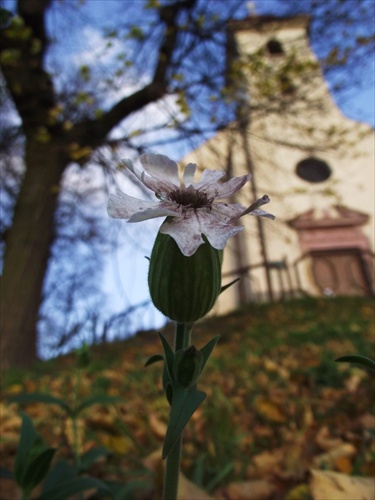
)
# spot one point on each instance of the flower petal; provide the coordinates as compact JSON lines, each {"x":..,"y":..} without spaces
{"x":189,"y":171}
{"x":262,"y":213}
{"x":226,"y":189}
{"x":227,"y":211}
{"x":160,"y":167}
{"x":123,"y":206}
{"x":187,"y":231}
{"x":216,"y":231}
{"x":129,"y":164}
{"x":151,"y":213}
{"x":253,"y":209}
{"x":209,"y":177}
{"x":156,"y":185}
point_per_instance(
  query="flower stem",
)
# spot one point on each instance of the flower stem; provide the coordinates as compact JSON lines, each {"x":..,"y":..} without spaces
{"x":172,"y":468}
{"x":182,"y":336}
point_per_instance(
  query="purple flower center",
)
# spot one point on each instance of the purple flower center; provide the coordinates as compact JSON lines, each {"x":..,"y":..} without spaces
{"x":190,"y":198}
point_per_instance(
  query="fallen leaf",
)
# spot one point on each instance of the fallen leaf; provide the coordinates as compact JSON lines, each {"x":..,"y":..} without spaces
{"x":324,"y":440}
{"x":327,"y":485}
{"x":327,"y":460}
{"x":247,"y":490}
{"x":157,"y":427}
{"x":343,"y":464}
{"x":368,"y":421}
{"x":269,"y":410}
{"x":268,"y":461}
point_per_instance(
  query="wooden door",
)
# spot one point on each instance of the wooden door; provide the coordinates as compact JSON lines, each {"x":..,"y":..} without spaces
{"x":341,"y":272}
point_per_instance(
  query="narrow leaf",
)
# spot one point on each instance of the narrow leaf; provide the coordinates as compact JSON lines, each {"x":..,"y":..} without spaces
{"x":184,"y":404}
{"x":38,"y":397}
{"x":169,"y":356}
{"x":98,"y":400}
{"x":225,"y":287}
{"x":207,"y":350}
{"x":27,"y":439}
{"x":72,"y":487}
{"x":154,"y":359}
{"x":357,"y":359}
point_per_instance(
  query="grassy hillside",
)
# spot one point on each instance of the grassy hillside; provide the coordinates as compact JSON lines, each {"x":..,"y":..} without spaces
{"x":277,"y":403}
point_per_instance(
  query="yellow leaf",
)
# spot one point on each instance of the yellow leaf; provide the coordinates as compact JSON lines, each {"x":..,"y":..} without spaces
{"x":248,"y":490}
{"x":118,"y":444}
{"x":269,"y":410}
{"x":327,"y":485}
{"x":14,"y":389}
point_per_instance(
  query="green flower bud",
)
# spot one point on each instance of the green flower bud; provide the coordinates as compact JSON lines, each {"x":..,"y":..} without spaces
{"x":188,"y":366}
{"x":184,"y":288}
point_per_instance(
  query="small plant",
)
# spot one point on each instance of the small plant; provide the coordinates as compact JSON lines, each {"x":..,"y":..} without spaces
{"x":33,"y":458}
{"x":33,"y":465}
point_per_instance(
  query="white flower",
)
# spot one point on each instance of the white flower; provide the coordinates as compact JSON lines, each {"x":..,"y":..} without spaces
{"x":190,"y":207}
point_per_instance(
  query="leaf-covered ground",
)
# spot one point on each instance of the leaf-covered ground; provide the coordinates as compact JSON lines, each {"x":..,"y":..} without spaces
{"x":278,"y":411}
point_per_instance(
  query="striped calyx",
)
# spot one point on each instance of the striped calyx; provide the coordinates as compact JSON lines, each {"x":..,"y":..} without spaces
{"x":184,"y":288}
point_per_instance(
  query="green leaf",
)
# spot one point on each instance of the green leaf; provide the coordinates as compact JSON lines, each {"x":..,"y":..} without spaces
{"x":27,"y":439}
{"x":362,"y":361}
{"x":97,"y":400}
{"x":219,"y":476}
{"x":38,"y":397}
{"x":184,"y":404}
{"x":225,"y":287}
{"x":207,"y":350}
{"x":37,"y":469}
{"x":154,"y":359}
{"x":59,"y":474}
{"x":169,"y":356}
{"x":72,"y":487}
{"x":92,"y":456}
{"x":121,"y":491}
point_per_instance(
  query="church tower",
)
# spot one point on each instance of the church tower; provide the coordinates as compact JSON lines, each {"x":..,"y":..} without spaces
{"x":316,"y":165}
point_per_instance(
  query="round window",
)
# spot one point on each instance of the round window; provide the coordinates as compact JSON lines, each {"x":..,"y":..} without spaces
{"x":274,"y":47}
{"x":313,"y":170}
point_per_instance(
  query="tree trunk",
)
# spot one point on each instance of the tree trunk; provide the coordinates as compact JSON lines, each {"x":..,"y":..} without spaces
{"x":26,"y":254}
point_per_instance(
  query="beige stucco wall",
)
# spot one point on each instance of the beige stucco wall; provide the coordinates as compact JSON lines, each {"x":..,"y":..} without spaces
{"x":309,"y":125}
